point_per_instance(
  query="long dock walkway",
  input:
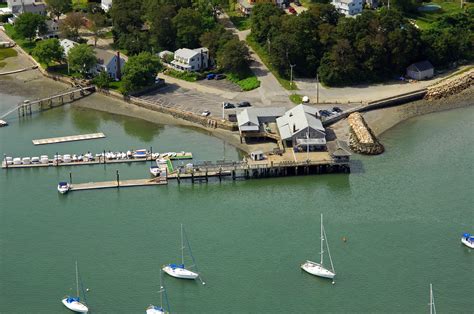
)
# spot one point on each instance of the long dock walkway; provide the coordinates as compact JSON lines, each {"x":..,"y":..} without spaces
{"x":72,"y":138}
{"x":117,"y":184}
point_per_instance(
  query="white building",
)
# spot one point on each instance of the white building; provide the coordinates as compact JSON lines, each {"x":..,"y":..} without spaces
{"x":420,"y":70}
{"x":23,"y":6}
{"x":348,"y":7}
{"x":67,"y":45}
{"x":191,"y":59}
{"x":301,"y":127}
{"x":109,"y":62}
{"x":106,"y":5}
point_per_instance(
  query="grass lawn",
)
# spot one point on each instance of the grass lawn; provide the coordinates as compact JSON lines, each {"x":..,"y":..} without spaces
{"x":241,"y":22}
{"x":246,"y":82}
{"x":425,"y":19}
{"x":116,"y":85}
{"x":23,"y":43}
{"x":79,"y":4}
{"x":262,"y":53}
{"x":296,"y":98}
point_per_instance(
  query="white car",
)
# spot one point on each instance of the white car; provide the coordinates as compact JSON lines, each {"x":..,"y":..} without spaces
{"x":205,"y":113}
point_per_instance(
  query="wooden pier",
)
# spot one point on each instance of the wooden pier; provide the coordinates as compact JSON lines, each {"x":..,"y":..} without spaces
{"x":117,"y":184}
{"x":72,"y":138}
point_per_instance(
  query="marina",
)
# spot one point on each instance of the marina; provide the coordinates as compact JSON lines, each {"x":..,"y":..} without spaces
{"x":72,"y":138}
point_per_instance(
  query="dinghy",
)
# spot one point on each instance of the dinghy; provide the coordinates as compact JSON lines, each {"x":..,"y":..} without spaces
{"x":468,"y":240}
{"x":74,"y":303}
{"x":318,"y":269}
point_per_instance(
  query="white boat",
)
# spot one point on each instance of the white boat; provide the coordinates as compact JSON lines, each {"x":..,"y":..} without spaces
{"x":155,"y":171}
{"x":129,"y":154}
{"x":44,"y":159}
{"x":155,"y":155}
{"x":140,"y":153}
{"x":318,"y":269}
{"x":74,"y":303}
{"x":74,"y":158}
{"x":58,"y":158}
{"x":468,"y":240}
{"x":63,"y":187}
{"x":9,"y":160}
{"x":432,"y":304}
{"x":67,"y":158}
{"x":179,"y":270}
{"x":153,"y":309}
{"x":26,"y":160}
{"x":35,"y":160}
{"x":17,"y":161}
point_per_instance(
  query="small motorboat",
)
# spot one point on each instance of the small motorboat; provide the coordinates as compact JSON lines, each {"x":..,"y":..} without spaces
{"x":74,"y":158}
{"x":44,"y":159}
{"x":468,"y":240}
{"x":58,"y":158}
{"x":63,"y":187}
{"x":74,"y":304}
{"x":67,"y":158}
{"x":3,"y":123}
{"x":178,"y":271}
{"x":35,"y":160}
{"x":17,"y":161}
{"x":140,"y":153}
{"x":155,"y":171}
{"x":9,"y":160}
{"x":26,"y":160}
{"x":129,"y":154}
{"x":80,"y":158}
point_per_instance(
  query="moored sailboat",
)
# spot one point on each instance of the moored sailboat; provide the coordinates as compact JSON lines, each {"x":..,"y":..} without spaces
{"x":154,"y":309}
{"x":74,"y":303}
{"x":318,"y":269}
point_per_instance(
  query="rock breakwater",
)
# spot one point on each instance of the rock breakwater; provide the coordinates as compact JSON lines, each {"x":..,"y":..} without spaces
{"x":451,"y":86}
{"x":361,"y":138}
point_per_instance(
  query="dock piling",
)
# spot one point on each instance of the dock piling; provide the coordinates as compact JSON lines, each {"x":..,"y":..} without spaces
{"x":70,"y":177}
{"x":118,"y":178}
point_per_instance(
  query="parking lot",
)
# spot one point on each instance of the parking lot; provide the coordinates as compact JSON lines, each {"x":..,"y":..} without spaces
{"x":221,"y":84}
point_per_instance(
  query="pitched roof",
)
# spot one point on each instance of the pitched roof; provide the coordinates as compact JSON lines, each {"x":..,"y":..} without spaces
{"x":339,"y":149}
{"x":103,"y":56}
{"x":422,"y":66}
{"x":67,"y":45}
{"x":185,"y":53}
{"x":297,"y":119}
{"x":251,"y":116}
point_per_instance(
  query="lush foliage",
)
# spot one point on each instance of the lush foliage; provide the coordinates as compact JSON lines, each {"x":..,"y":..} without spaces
{"x":184,"y":75}
{"x":81,"y":58}
{"x":49,"y":50}
{"x":246,"y":81}
{"x":233,"y":57}
{"x":58,"y":7}
{"x":140,"y":71}
{"x":102,"y":80}
{"x":27,"y":24}
{"x":296,"y":98}
{"x":70,"y":25}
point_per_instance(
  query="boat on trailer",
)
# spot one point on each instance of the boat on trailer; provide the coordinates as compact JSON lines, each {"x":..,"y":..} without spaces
{"x":318,"y":269}
{"x":468,"y":240}
{"x":74,"y":303}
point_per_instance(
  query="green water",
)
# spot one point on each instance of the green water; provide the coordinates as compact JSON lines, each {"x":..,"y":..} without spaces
{"x":402,"y":213}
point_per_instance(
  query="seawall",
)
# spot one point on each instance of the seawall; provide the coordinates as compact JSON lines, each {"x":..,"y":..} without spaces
{"x":361,"y":138}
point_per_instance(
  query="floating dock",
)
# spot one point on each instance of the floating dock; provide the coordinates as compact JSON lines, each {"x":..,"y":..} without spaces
{"x":117,"y":184}
{"x":72,"y":138}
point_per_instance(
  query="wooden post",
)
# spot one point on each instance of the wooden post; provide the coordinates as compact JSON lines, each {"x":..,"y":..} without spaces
{"x":192,"y":176}
{"x":151,"y":153}
{"x":207,"y":179}
{"x":70,"y":177}
{"x":57,"y":160}
{"x":220,"y":174}
{"x":118,"y":178}
{"x":179,"y":180}
{"x":233,"y":174}
{"x":103,"y":156}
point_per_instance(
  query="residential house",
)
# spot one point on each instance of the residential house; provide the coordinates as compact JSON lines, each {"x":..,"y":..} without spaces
{"x":301,"y":127}
{"x":420,"y":70}
{"x":191,"y":59}
{"x":106,"y":5}
{"x":67,"y":45}
{"x":109,"y":62}
{"x":254,"y":122}
{"x":22,"y":6}
{"x":348,"y":7}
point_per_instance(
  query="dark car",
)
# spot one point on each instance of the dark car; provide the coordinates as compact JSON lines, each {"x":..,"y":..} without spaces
{"x":210,"y":76}
{"x":337,"y":109}
{"x":244,"y":104}
{"x":324,"y":113}
{"x":228,"y":105}
{"x":219,"y":76}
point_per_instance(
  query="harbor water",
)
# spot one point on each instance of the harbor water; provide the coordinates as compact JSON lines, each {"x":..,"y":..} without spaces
{"x":401,"y":213}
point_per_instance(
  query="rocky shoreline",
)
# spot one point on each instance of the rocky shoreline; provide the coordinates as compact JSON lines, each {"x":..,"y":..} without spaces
{"x":361,"y":138}
{"x":451,"y":87}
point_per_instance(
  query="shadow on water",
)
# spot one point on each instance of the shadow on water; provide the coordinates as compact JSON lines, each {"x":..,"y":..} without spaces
{"x":86,"y":120}
{"x":357,"y":167}
{"x":141,"y":129}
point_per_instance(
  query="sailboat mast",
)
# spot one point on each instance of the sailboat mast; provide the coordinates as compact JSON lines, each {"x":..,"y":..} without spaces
{"x":322,"y":240}
{"x":161,"y":289}
{"x":182,"y":246}
{"x":77,"y":281}
{"x":432,"y":305}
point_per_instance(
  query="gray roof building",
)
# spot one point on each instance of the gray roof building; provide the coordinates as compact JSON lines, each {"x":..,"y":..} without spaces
{"x":298,"y":119}
{"x":250,"y":119}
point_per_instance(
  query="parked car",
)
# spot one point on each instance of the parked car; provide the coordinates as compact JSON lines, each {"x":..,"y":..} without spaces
{"x":228,"y":105}
{"x":244,"y":104}
{"x":292,"y":10}
{"x":210,"y":76}
{"x":337,"y":109}
{"x":205,"y":113}
{"x":219,"y":76}
{"x":324,"y":113}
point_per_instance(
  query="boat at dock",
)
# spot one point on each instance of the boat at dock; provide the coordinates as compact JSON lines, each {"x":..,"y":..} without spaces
{"x":180,"y":270}
{"x":155,"y":170}
{"x":63,"y":187}
{"x":3,"y":123}
{"x":140,"y":153}
{"x":318,"y":269}
{"x":468,"y":240}
{"x":74,"y":303}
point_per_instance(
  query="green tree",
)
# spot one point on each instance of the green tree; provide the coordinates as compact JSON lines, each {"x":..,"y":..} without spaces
{"x":234,"y":57}
{"x":215,"y":39}
{"x":140,"y":71}
{"x":96,"y":24}
{"x":189,"y":27}
{"x":48,"y":50}
{"x":58,"y":7}
{"x":102,"y":80}
{"x":162,"y":31}
{"x":28,"y":24}
{"x":127,"y":19}
{"x":81,"y":58}
{"x":261,"y":20}
{"x":69,"y":26}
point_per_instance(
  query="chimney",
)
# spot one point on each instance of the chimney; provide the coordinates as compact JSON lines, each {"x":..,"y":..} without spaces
{"x":118,"y":73}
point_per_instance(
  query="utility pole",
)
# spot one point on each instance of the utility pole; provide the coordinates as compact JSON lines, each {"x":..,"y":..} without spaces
{"x":291,"y":74}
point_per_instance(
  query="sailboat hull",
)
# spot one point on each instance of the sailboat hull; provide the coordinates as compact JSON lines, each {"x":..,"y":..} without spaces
{"x":317,"y":270}
{"x":154,"y":310}
{"x":75,"y":306}
{"x":182,"y":273}
{"x":467,"y":243}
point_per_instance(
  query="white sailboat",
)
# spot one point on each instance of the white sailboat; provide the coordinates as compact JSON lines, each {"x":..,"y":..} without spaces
{"x":74,"y":303}
{"x":432,"y":304}
{"x":153,"y":309}
{"x":179,"y":270}
{"x":318,"y":269}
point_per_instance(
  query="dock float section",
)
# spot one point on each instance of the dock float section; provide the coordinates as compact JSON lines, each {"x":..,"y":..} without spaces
{"x":117,"y":184}
{"x":72,"y":138}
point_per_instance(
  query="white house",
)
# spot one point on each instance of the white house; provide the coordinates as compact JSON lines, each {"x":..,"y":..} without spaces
{"x":420,"y":70}
{"x":23,"y":6}
{"x":109,"y":62}
{"x":301,"y":127}
{"x":67,"y":45}
{"x":348,"y":7}
{"x":106,"y":5}
{"x":191,"y":59}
